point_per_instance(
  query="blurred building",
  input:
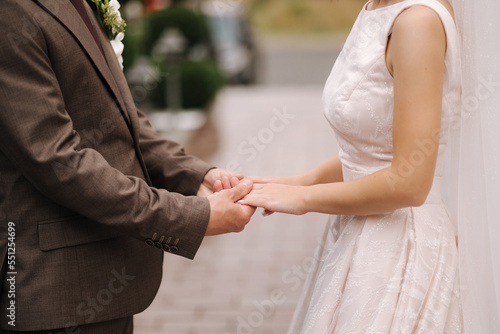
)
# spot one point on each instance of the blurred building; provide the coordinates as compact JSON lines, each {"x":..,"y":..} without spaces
{"x":233,"y":39}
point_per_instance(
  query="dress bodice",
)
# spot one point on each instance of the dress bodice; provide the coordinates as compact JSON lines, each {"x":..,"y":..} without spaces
{"x":358,"y":97}
{"x":395,"y":272}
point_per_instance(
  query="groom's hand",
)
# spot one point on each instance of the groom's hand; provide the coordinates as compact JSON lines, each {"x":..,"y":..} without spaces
{"x":218,"y":179}
{"x":226,"y":216}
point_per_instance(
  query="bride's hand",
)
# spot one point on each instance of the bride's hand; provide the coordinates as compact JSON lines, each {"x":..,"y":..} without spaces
{"x":276,"y":198}
{"x":266,"y":179}
{"x":297,"y":180}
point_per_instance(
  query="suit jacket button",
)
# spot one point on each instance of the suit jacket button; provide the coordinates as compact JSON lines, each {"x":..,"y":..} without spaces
{"x":158,"y":244}
{"x":173,"y":249}
{"x":165,"y":247}
{"x":150,"y":242}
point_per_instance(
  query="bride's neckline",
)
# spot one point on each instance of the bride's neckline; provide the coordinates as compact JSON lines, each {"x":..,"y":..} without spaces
{"x":365,"y":8}
{"x":380,"y":8}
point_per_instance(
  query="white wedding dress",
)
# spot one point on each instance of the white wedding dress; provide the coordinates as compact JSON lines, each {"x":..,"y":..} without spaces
{"x":395,"y":272}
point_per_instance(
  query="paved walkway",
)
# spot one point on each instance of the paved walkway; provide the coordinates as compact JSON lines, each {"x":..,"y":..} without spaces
{"x":248,"y":283}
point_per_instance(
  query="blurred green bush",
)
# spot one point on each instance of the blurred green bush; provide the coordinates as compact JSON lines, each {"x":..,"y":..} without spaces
{"x":200,"y":82}
{"x":191,"y":24}
{"x":200,"y":79}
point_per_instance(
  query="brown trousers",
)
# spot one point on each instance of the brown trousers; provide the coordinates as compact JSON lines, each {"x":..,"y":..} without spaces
{"x":118,"y":326}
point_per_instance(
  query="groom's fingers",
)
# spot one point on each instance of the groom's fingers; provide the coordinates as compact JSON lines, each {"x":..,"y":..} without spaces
{"x":241,"y":190}
{"x":226,"y":184}
{"x":249,"y":210}
{"x":234,"y":181}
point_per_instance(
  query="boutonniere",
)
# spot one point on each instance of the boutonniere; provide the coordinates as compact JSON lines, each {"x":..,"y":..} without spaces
{"x":110,"y":17}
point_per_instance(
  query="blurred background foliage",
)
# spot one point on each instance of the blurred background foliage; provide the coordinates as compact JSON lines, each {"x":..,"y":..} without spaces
{"x":221,"y":42}
{"x":304,"y":16}
{"x":200,"y":79}
{"x":192,"y":24}
{"x":200,"y":82}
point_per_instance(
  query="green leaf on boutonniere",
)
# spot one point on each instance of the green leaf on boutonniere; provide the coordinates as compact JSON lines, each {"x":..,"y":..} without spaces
{"x":110,"y":18}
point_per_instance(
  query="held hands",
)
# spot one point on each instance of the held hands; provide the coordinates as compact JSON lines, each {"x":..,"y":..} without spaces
{"x":277,"y":194}
{"x":276,"y":198}
{"x":223,"y":188}
{"x":217,"y":179}
{"x":226,"y":215}
{"x":233,"y":202}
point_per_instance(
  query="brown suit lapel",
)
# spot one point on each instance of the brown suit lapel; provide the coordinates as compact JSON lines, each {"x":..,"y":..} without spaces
{"x":125,"y":96}
{"x":67,"y":15}
{"x":64,"y":12}
{"x":119,"y":78}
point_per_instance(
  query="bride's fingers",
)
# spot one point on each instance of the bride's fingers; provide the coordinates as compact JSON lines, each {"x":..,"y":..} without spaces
{"x":257,"y":186}
{"x":261,"y":179}
{"x":253,"y":199}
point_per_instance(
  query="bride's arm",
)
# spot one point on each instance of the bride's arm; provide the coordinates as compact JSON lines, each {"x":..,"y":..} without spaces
{"x":416,"y":58}
{"x":328,"y":172}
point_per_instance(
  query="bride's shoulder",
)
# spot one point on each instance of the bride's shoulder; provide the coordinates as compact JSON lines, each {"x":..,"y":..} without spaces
{"x":417,"y":34}
{"x":417,"y":20}
{"x":427,"y":8}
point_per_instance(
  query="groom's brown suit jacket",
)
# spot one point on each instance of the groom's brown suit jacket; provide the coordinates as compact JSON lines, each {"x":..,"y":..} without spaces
{"x":84,"y":178}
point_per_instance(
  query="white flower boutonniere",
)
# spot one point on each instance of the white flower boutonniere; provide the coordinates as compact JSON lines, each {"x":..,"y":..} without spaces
{"x":110,"y":17}
{"x":112,"y":22}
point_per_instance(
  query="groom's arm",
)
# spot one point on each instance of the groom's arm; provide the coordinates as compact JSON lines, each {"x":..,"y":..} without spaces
{"x":37,"y":137}
{"x":169,"y":167}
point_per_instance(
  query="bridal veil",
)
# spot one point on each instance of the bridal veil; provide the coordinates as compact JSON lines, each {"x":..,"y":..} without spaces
{"x":473,"y":185}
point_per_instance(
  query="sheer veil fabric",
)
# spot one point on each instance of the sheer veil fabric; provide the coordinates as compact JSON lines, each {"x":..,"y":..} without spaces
{"x":473,"y":185}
